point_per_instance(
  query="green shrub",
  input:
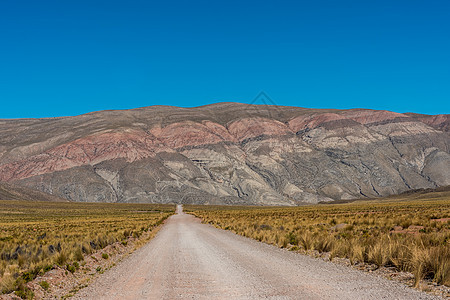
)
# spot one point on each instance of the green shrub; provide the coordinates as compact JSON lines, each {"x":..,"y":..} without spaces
{"x":76,"y":265}
{"x":45,"y":285}
{"x":71,"y":268}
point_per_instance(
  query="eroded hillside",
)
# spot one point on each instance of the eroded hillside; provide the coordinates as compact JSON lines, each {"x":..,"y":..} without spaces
{"x":227,"y":153}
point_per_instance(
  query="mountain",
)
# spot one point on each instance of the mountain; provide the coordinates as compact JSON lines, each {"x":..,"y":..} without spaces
{"x":14,"y":192}
{"x":227,"y":153}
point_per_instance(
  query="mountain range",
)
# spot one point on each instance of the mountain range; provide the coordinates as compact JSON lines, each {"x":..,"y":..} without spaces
{"x":227,"y":153}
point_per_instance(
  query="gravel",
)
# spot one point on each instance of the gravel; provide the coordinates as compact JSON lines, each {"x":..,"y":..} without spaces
{"x":190,"y":260}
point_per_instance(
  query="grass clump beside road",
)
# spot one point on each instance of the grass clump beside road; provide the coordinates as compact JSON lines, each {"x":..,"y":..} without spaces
{"x":412,"y":236}
{"x":36,"y":236}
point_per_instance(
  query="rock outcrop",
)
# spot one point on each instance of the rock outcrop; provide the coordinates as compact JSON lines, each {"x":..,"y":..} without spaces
{"x":227,"y":153}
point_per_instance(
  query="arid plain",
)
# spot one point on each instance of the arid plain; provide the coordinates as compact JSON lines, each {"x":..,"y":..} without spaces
{"x":279,"y":202}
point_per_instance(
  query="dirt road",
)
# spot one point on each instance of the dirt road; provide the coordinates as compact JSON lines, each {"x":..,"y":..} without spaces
{"x":190,"y":260}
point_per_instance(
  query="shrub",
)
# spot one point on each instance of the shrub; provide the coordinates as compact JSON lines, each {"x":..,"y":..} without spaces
{"x":71,"y":268}
{"x":292,"y":238}
{"x":22,"y":290}
{"x":45,"y":285}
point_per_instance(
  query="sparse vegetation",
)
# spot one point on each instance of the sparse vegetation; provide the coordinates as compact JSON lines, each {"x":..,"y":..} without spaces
{"x":71,"y":268}
{"x":35,"y":236}
{"x":411,"y":236}
{"x":45,"y":285}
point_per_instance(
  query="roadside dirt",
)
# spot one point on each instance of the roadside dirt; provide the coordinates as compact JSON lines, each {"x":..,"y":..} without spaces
{"x":190,"y":260}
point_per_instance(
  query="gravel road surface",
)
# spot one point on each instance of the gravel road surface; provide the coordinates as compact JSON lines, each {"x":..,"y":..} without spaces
{"x":190,"y":260}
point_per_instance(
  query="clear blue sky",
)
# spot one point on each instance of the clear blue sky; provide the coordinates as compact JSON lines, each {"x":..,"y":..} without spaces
{"x":71,"y":57}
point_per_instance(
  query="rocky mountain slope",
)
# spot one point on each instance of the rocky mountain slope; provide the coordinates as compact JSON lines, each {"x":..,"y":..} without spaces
{"x":227,"y":153}
{"x":13,"y":192}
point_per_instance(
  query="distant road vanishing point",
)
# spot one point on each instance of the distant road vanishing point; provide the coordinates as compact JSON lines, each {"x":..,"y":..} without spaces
{"x":190,"y":260}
